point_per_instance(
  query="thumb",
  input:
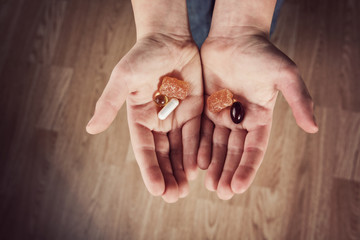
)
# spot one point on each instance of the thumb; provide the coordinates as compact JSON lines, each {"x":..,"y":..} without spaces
{"x":296,"y":94}
{"x":110,"y":101}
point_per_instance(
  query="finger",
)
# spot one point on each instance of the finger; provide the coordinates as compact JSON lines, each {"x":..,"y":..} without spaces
{"x":144,"y":149}
{"x":254,"y":150}
{"x":220,"y":140}
{"x":176,"y":158}
{"x":190,"y":140}
{"x":296,"y":94}
{"x":206,"y":135}
{"x":109,"y":102}
{"x":233,"y":156}
{"x":162,"y":148}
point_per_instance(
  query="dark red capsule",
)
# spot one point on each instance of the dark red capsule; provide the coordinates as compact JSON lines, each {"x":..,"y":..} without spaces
{"x":237,"y":112}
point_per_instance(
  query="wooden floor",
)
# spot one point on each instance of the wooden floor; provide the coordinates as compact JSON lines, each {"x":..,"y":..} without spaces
{"x":58,"y":182}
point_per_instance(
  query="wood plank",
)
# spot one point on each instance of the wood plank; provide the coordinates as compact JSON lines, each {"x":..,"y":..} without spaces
{"x":58,"y":182}
{"x":345,"y":210}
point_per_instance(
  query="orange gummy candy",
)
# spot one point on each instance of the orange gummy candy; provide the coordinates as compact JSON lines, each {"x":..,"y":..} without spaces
{"x":220,"y":100}
{"x":174,"y":88}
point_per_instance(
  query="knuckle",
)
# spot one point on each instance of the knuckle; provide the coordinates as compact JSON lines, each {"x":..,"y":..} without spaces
{"x":107,"y":103}
{"x":290,"y":73}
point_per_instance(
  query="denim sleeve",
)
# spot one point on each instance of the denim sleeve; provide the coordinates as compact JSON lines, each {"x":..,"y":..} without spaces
{"x":200,"y":15}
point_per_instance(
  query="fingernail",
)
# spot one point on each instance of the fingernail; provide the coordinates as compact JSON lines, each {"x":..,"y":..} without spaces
{"x":192,"y":175}
{"x":314,"y":118}
{"x":316,"y":127}
{"x":90,"y":122}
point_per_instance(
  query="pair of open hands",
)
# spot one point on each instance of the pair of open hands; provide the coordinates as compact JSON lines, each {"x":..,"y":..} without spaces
{"x":169,"y":152}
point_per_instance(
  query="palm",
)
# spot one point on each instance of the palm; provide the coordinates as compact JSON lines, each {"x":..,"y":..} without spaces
{"x":251,"y":68}
{"x":165,"y":150}
{"x":148,"y":61}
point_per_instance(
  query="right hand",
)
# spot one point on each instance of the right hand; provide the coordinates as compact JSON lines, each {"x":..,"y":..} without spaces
{"x":166,"y":150}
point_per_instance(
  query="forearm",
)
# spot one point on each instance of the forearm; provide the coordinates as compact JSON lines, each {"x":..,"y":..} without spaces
{"x":161,"y":16}
{"x":235,"y":16}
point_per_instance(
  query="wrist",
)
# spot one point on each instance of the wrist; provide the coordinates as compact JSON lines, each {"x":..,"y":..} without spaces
{"x":161,"y":17}
{"x":232,"y":18}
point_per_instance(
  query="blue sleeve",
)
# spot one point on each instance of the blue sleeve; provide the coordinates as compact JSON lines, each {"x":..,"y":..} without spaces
{"x":200,"y":15}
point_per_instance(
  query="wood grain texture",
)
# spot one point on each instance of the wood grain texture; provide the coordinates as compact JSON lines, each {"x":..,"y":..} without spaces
{"x":57,"y":182}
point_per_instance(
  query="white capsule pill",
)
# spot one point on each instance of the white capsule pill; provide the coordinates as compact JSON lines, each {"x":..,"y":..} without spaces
{"x":169,"y":108}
